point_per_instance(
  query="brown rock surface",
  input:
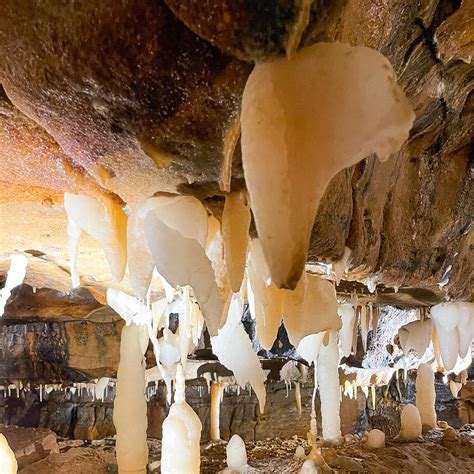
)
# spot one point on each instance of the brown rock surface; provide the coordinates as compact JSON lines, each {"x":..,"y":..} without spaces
{"x":77,"y":460}
{"x":30,"y":444}
{"x":134,"y":101}
{"x":55,"y":351}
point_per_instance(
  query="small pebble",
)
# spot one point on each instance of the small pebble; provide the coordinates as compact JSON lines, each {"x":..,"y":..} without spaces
{"x":442,"y":424}
{"x":449,"y":433}
{"x":299,"y":453}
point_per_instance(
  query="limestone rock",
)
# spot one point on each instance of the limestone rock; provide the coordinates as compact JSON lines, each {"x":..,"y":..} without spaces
{"x":30,"y":444}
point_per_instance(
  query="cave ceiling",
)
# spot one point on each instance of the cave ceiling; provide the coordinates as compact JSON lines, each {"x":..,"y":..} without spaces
{"x":137,"y":97}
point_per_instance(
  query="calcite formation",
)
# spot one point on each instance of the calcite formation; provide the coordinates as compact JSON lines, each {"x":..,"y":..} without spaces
{"x":410,"y":421}
{"x":306,"y":119}
{"x":104,"y":220}
{"x":235,"y":228}
{"x":130,"y":417}
{"x":454,"y":325}
{"x":8,"y":463}
{"x":416,"y":335}
{"x":181,"y":434}
{"x":426,"y":396}
{"x":236,"y":453}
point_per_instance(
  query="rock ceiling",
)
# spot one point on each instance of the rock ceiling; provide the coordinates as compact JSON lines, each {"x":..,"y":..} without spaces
{"x":136,"y":97}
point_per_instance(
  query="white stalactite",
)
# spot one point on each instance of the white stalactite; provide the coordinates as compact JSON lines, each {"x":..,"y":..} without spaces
{"x":303,"y":120}
{"x":106,"y":222}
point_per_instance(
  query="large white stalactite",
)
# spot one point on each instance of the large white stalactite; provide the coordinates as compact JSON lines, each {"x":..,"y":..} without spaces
{"x":104,"y":220}
{"x":303,"y":120}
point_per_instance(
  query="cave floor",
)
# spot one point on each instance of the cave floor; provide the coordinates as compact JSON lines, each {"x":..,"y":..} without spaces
{"x":434,"y":454}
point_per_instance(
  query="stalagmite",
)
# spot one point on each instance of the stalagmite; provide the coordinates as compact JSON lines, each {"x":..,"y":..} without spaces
{"x":328,"y":383}
{"x":185,"y":214}
{"x":372,"y":396}
{"x":182,"y":261}
{"x":299,"y":453}
{"x":15,"y":276}
{"x":426,"y":396}
{"x":310,"y":467}
{"x":235,"y":228}
{"x":130,"y":411}
{"x":8,"y":464}
{"x":305,"y":119}
{"x":415,"y":335}
{"x":180,"y":447}
{"x":234,"y":349}
{"x":410,"y":423}
{"x":106,"y":222}
{"x":236,"y":453}
{"x":216,"y":393}
{"x":376,"y":439}
{"x":347,"y":314}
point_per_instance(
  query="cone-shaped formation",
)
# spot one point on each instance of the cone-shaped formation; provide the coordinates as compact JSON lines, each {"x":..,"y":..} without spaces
{"x":303,"y":120}
{"x":234,"y":349}
{"x":182,"y":261}
{"x":104,"y":220}
{"x":180,"y":447}
{"x":416,"y":335}
{"x":185,"y":214}
{"x":235,"y":228}
{"x":347,"y":314}
{"x":236,"y":453}
{"x":376,"y":439}
{"x":454,"y":325}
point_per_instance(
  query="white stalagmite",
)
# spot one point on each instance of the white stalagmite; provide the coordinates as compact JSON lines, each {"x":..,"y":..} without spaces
{"x":416,"y":335}
{"x":303,"y":120}
{"x":15,"y":276}
{"x":454,"y":325}
{"x":376,"y":439}
{"x":8,"y":463}
{"x":236,"y":453}
{"x":347,"y":314}
{"x":106,"y":222}
{"x":180,"y":447}
{"x":130,"y":411}
{"x":410,"y":423}
{"x":328,"y":383}
{"x":182,"y":261}
{"x":234,"y":349}
{"x":186,"y":214}
{"x":235,"y":228}
{"x":426,"y":396}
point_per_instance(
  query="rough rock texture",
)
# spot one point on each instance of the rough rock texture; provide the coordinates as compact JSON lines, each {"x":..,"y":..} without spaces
{"x":80,"y":460}
{"x":135,"y":102}
{"x":30,"y":444}
{"x":53,"y":352}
